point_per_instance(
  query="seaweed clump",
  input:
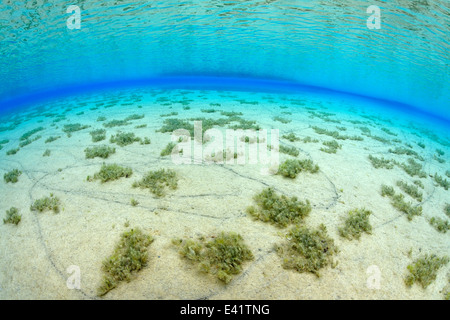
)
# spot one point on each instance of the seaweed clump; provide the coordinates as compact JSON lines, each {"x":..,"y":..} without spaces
{"x":98,"y":135}
{"x":292,"y":151}
{"x":112,"y":172}
{"x":378,"y":163}
{"x":115,"y":123}
{"x":292,"y":167}
{"x":52,"y":138}
{"x":281,"y":119}
{"x":123,"y":139}
{"x":157,"y":181}
{"x":173,"y":124}
{"x":407,"y":151}
{"x":135,"y":117}
{"x":356,"y":223}
{"x":398,"y":202}
{"x":291,"y":137}
{"x":441,"y":181}
{"x":279,"y":210}
{"x":29,"y":141}
{"x":307,"y":250}
{"x":12,"y":216}
{"x":28,"y":134}
{"x":12,"y":151}
{"x":99,"y":152}
{"x":424,"y":270}
{"x":70,"y":128}
{"x":2,"y":142}
{"x":447,"y":209}
{"x":336,"y":134}
{"x":413,"y":168}
{"x":222,"y":256}
{"x":440,"y":224}
{"x":129,"y":257}
{"x":12,"y":176}
{"x":171,"y":114}
{"x":411,"y":190}
{"x":331,"y":146}
{"x":46,"y":204}
{"x":167,"y":151}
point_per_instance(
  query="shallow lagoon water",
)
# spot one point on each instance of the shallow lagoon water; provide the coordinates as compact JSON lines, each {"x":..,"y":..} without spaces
{"x":362,"y":111}
{"x":39,"y":254}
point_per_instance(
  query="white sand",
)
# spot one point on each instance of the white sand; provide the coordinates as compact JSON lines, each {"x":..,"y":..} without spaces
{"x":35,"y":255}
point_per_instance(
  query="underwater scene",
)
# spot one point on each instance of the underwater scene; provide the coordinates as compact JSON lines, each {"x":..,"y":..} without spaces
{"x":224,"y":175}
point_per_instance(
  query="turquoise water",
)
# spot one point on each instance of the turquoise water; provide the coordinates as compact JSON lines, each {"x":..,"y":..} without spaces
{"x":175,"y":118}
{"x":320,"y":43}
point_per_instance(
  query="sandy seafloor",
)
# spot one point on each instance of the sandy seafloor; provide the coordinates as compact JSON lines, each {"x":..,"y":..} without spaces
{"x":35,"y":255}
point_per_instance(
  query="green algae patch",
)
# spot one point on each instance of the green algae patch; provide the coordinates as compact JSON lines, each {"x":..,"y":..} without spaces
{"x":134,"y":202}
{"x":387,"y":191}
{"x":71,"y":128}
{"x":158,"y":181}
{"x":281,"y":119}
{"x":336,"y":135}
{"x":28,"y":134}
{"x":424,"y":270}
{"x":129,"y":257}
{"x":115,"y":123}
{"x":111,"y":172}
{"x":291,"y":137}
{"x":29,"y":141}
{"x":12,"y":216}
{"x":98,"y":135}
{"x":441,"y":225}
{"x":307,"y":250}
{"x":378,"y":163}
{"x":52,"y":138}
{"x":278,"y":210}
{"x":331,"y":146}
{"x":447,"y":209}
{"x":135,"y":117}
{"x":399,"y":203}
{"x":355,"y":224}
{"x":12,"y":151}
{"x":99,"y":152}
{"x":171,"y":114}
{"x":51,"y":203}
{"x":292,"y":167}
{"x":145,"y":141}
{"x":124,"y":138}
{"x":171,"y":124}
{"x":413,"y":168}
{"x":292,"y":151}
{"x":441,"y":181}
{"x":222,"y":256}
{"x":12,"y":176}
{"x":167,"y":151}
{"x":411,"y":190}
{"x":406,"y":151}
